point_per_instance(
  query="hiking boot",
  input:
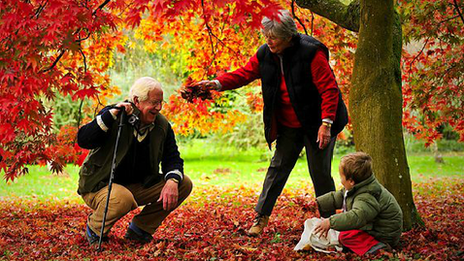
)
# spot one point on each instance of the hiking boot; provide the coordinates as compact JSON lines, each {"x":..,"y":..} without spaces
{"x":259,"y":224}
{"x":137,"y":234}
{"x":92,"y":237}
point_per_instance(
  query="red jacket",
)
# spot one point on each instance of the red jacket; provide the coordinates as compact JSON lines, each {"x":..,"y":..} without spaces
{"x":322,"y":77}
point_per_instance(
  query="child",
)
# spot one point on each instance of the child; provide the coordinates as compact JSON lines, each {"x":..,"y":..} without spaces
{"x":371,"y":217}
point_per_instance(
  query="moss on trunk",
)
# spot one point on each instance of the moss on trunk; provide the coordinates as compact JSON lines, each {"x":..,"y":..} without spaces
{"x":375,"y":94}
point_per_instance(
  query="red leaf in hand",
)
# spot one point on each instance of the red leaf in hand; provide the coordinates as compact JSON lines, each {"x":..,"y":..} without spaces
{"x":192,"y":90}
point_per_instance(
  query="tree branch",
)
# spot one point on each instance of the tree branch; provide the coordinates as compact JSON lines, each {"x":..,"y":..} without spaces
{"x":83,"y":38}
{"x":40,"y":9}
{"x":419,"y":53}
{"x":346,"y":16}
{"x":458,"y":10}
{"x":211,"y":35}
{"x":56,"y":61}
{"x":210,"y":31}
{"x":101,"y":6}
{"x":79,"y":117}
{"x":298,"y":19}
{"x":85,"y":60}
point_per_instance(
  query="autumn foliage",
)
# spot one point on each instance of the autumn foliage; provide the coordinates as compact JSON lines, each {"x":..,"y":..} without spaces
{"x":43,"y":54}
{"x":433,"y":72}
{"x":212,"y":224}
{"x":65,"y":48}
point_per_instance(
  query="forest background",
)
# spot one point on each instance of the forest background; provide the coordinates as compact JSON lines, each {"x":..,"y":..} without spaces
{"x":59,"y":66}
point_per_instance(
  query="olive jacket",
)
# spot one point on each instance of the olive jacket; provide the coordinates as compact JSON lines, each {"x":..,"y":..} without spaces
{"x":95,"y":171}
{"x":369,"y":207}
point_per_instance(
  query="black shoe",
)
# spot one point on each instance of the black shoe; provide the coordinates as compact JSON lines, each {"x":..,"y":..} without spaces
{"x":143,"y":238}
{"x":92,"y":237}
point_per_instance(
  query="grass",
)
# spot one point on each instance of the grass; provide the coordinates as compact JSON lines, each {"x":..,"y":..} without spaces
{"x":207,"y":165}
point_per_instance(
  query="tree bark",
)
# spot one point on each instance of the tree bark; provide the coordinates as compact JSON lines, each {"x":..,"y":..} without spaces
{"x":375,"y":92}
{"x":346,"y":16}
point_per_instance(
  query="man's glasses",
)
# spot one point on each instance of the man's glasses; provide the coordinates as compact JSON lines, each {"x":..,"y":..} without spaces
{"x":156,"y":103}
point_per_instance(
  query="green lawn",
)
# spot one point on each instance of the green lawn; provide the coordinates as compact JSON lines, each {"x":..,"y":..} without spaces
{"x":208,"y":166}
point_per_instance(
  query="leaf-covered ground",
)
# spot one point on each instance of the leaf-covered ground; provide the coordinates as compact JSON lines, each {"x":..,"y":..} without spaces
{"x":211,"y":225}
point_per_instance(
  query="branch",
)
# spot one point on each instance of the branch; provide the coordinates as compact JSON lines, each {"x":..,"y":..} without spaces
{"x":458,"y":10}
{"x":346,"y":16}
{"x":419,"y":53}
{"x":84,"y":38}
{"x":447,"y":20}
{"x":56,"y":61}
{"x":211,"y":35}
{"x":39,"y":10}
{"x":85,"y":60}
{"x":210,"y":31}
{"x":101,"y":7}
{"x":79,"y":117}
{"x":298,"y":19}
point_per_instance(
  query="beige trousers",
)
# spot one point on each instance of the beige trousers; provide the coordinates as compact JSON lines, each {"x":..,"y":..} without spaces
{"x":123,"y":199}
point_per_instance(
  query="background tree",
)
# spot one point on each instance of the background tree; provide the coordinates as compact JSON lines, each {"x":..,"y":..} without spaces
{"x":375,"y":93}
{"x":43,"y":53}
{"x":433,"y":67}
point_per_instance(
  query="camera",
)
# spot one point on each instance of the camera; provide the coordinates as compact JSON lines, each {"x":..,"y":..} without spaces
{"x":133,"y":120}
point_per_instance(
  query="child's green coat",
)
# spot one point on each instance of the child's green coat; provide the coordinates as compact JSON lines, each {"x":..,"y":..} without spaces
{"x":369,"y":207}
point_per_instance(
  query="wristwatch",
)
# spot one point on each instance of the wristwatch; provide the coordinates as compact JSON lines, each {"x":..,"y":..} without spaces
{"x":326,"y":124}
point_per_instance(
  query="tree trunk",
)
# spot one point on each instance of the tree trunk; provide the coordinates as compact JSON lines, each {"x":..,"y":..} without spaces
{"x":375,"y":94}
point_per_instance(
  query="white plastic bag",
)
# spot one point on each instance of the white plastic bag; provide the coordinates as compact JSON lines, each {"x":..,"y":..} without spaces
{"x":310,"y":239}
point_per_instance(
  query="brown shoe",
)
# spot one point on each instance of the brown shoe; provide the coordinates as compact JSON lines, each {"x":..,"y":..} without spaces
{"x":258,"y":226}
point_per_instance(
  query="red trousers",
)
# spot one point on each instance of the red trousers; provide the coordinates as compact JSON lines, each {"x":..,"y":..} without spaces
{"x":357,"y":241}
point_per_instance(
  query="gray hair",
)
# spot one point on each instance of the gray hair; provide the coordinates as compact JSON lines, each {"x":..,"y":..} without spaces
{"x":285,"y":28}
{"x":142,"y":87}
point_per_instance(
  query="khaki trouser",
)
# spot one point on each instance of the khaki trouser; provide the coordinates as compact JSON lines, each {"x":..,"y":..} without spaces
{"x":126,"y":198}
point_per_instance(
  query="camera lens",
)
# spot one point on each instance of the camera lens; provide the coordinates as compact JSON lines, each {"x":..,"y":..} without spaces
{"x":133,"y":119}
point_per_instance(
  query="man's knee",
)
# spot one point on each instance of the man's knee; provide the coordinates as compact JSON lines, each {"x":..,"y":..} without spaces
{"x":122,"y":201}
{"x":185,"y":187}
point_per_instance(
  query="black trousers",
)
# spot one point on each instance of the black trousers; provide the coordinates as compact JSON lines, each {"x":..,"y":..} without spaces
{"x":290,"y":142}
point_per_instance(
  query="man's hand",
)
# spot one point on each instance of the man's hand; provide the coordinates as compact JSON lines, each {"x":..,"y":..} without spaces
{"x":127,"y":106}
{"x":323,"y":228}
{"x":323,"y":136}
{"x":169,"y":195}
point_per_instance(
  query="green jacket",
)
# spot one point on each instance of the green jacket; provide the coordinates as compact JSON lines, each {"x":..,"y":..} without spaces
{"x":95,"y":171}
{"x":369,"y":207}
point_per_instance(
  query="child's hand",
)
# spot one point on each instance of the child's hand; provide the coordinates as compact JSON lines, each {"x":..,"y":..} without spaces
{"x":323,"y":228}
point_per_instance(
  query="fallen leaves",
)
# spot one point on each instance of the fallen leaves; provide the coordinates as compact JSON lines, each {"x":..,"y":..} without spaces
{"x":212,"y":225}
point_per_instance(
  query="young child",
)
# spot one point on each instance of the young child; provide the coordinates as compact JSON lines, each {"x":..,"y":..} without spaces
{"x":371,"y":217}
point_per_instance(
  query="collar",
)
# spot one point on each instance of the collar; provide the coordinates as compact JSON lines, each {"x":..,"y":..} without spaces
{"x":141,"y":133}
{"x":362,"y":184}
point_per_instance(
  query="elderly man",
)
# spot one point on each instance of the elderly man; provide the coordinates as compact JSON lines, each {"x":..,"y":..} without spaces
{"x":146,"y":140}
{"x":303,"y":106}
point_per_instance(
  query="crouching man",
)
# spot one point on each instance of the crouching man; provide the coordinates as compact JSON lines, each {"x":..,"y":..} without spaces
{"x":146,"y":140}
